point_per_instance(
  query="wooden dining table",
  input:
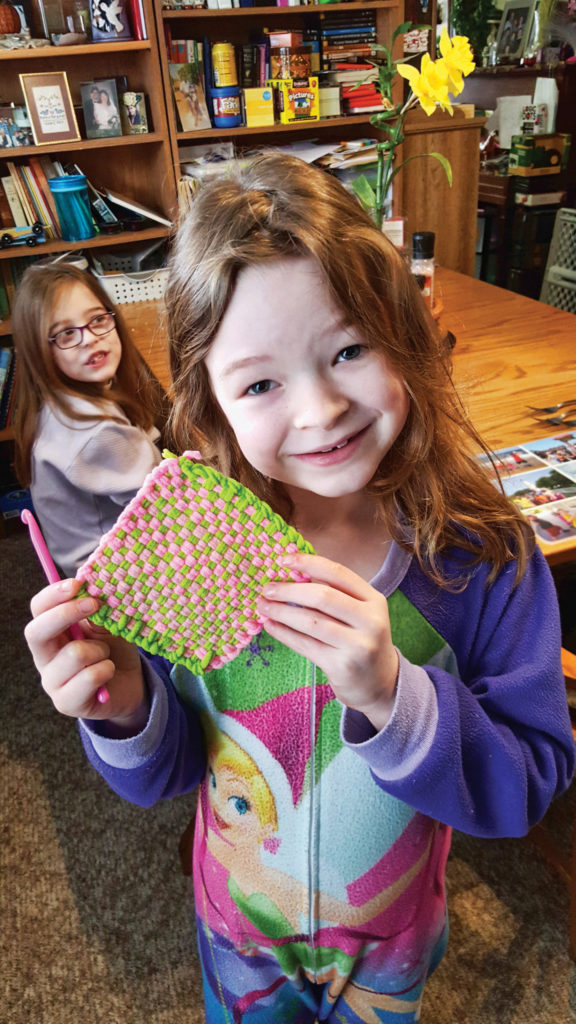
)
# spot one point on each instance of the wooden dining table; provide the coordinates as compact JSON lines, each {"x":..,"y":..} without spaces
{"x":510,"y":352}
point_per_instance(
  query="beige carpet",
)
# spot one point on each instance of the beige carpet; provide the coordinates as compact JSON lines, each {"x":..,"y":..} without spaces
{"x":95,"y":923}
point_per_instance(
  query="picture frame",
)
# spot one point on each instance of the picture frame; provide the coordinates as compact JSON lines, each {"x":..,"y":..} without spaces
{"x":110,"y":21}
{"x":15,"y":127}
{"x":189,"y":97}
{"x":49,"y":105}
{"x":133,"y":113}
{"x":514,"y":30}
{"x":101,"y":108}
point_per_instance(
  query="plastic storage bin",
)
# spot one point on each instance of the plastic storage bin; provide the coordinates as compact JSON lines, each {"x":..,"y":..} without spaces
{"x":137,"y":287}
{"x":73,"y":207}
{"x":559,"y":287}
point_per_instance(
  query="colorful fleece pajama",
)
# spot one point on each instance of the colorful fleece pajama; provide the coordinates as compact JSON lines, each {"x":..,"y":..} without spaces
{"x":320,"y":844}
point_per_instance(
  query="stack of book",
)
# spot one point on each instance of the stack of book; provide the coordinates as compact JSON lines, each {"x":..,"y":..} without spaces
{"x":361,"y":98}
{"x":347,"y":36}
{"x":25,"y":197}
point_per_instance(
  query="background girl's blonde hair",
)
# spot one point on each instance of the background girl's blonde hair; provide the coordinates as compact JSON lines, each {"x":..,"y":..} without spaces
{"x":433,"y":492}
{"x":40,"y":381}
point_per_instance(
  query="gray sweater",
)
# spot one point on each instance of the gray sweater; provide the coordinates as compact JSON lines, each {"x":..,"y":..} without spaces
{"x":83,"y":473}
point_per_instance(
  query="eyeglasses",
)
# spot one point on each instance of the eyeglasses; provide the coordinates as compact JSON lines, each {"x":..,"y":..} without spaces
{"x":71,"y":337}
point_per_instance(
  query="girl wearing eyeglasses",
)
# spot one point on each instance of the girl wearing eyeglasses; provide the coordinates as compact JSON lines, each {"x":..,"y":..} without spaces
{"x":88,"y":409}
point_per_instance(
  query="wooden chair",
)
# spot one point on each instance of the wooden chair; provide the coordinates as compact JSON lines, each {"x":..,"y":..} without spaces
{"x":564,"y":861}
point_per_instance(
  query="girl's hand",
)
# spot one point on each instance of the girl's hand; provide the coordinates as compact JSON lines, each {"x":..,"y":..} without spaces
{"x":72,"y":671}
{"x":341,"y":624}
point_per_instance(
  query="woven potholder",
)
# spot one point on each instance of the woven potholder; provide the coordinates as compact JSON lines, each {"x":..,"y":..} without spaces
{"x":180,"y":572}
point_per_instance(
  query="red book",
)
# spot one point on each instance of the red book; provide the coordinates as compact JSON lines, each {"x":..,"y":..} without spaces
{"x":135,"y":14}
{"x":42,"y":179}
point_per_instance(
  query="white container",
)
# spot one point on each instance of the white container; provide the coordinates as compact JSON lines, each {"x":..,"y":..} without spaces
{"x":138,"y":287}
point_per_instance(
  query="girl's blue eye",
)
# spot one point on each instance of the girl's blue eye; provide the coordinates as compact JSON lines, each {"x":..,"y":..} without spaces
{"x":349,"y":353}
{"x":212,"y":778}
{"x":240,"y":804}
{"x":260,"y":388}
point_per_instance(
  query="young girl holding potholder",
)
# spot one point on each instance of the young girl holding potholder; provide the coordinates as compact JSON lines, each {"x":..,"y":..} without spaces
{"x":412,"y":684}
{"x":86,"y":412}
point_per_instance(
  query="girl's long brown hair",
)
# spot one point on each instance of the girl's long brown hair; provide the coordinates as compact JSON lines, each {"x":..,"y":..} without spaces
{"x":430,"y":482}
{"x":39,"y":381}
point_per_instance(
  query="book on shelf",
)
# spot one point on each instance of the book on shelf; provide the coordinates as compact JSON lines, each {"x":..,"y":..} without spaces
{"x":13,"y":200}
{"x":6,"y":216}
{"x":130,"y":204}
{"x":248,"y":56}
{"x":7,"y":281}
{"x":137,"y":19}
{"x":4,"y":304}
{"x":43,"y":169}
{"x":101,"y":212}
{"x":8,"y":362}
{"x":187,"y":81}
{"x":43,"y":213}
{"x":8,"y":412}
{"x":5,"y":360}
{"x":29,"y":211}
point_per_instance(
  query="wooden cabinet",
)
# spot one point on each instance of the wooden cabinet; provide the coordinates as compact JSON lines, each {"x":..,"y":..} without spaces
{"x":422,"y":192}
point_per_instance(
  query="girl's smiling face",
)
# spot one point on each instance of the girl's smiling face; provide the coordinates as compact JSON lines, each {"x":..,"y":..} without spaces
{"x":96,"y":359}
{"x":310,"y":403}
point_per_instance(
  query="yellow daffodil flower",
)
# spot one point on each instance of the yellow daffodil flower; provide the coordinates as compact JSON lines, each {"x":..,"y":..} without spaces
{"x":428,"y":85}
{"x":456,"y":61}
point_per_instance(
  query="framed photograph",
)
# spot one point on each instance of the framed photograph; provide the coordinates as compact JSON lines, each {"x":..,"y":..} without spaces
{"x":514,"y":30}
{"x":49,"y":104}
{"x":15,"y":127}
{"x":133,"y":113}
{"x":101,"y":109}
{"x":110,"y":21}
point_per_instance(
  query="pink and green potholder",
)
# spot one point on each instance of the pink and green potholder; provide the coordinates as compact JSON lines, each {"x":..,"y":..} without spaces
{"x":181,"y":571}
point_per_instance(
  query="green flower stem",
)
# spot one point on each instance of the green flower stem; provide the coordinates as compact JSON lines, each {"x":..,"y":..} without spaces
{"x":386,"y":151}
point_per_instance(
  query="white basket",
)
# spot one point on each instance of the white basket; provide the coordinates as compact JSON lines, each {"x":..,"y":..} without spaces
{"x":559,"y":291}
{"x":129,"y":261}
{"x":138,"y":287}
{"x":559,"y":285}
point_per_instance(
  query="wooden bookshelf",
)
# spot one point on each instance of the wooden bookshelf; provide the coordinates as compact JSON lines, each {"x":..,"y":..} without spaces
{"x":235,"y":25}
{"x":137,"y":166}
{"x":421,"y":193}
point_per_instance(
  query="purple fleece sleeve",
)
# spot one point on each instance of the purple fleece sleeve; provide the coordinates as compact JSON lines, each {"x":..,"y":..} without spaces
{"x":167,"y":758}
{"x":498,"y":746}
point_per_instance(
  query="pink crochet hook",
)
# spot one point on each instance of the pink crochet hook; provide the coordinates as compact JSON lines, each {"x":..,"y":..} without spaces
{"x":51,"y":573}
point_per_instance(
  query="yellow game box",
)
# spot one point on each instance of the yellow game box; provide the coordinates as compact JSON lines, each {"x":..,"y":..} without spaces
{"x":297,"y":99}
{"x":258,"y":106}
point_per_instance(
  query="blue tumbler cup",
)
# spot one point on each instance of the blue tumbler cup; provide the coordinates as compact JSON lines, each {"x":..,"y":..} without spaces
{"x":73,"y":207}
